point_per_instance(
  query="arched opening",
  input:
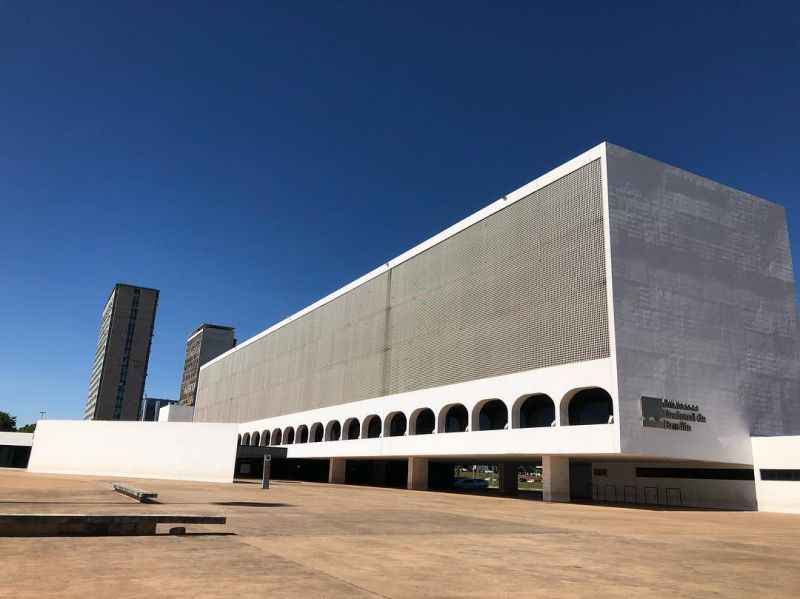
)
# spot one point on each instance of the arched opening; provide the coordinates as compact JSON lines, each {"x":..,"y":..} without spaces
{"x":396,"y":424}
{"x":590,"y":406}
{"x":239,"y":440}
{"x":352,"y":429}
{"x":453,"y":419}
{"x":288,"y":435}
{"x":302,"y":434}
{"x":276,"y":437}
{"x":264,"y":438}
{"x":423,"y":422}
{"x":490,"y":415}
{"x":246,"y":439}
{"x":315,"y":434}
{"x":255,"y":439}
{"x":333,"y":432}
{"x":372,"y":427}
{"x":536,"y":411}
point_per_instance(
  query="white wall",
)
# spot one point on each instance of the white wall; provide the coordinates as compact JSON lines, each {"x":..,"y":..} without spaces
{"x":169,"y":450}
{"x":176,"y":413}
{"x":621,"y":485}
{"x":704,"y":310}
{"x":777,"y":453}
{"x":16,"y":439}
{"x":532,"y":442}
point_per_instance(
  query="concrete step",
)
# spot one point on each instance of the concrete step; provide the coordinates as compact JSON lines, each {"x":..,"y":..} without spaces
{"x":82,"y":525}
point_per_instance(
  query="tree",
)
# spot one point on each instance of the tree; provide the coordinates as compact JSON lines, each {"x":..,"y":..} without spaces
{"x":28,"y":428}
{"x":8,"y":423}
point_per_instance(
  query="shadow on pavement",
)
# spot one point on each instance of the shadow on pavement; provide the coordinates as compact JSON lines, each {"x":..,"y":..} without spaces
{"x":250,"y":504}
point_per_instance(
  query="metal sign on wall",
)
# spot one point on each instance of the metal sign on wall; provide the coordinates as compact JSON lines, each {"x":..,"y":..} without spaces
{"x":668,"y":414}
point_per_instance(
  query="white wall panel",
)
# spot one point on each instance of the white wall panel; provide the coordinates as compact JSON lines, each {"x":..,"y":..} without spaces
{"x":169,"y":450}
{"x":781,"y":453}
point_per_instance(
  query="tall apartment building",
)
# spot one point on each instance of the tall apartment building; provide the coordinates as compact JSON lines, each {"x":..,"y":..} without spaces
{"x":206,"y":343}
{"x":116,"y":384}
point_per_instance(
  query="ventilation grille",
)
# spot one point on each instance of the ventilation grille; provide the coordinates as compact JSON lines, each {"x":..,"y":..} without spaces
{"x":524,"y":288}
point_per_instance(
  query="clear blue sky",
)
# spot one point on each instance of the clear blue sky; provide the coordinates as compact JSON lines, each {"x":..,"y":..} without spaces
{"x":248,"y":158}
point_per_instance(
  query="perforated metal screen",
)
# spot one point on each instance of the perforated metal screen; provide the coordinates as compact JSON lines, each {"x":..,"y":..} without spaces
{"x":524,"y":288}
{"x":521,"y":289}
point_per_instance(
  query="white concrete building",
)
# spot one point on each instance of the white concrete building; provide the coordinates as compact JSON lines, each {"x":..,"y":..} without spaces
{"x":626,"y":324}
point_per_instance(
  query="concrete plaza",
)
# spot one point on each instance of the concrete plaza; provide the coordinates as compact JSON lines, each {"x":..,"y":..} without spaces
{"x":318,"y":540}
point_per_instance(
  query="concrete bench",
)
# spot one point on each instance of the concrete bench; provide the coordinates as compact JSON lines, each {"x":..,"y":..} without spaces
{"x":137,"y":494}
{"x":76,"y":525}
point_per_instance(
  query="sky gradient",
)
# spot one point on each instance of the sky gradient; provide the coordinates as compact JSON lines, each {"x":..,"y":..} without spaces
{"x":247,"y":160}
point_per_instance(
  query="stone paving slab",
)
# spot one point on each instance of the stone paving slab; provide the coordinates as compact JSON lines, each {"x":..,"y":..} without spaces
{"x":317,"y":540}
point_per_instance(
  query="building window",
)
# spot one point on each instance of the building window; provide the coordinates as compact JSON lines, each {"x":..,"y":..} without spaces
{"x":703,"y":473}
{"x":779,"y":474}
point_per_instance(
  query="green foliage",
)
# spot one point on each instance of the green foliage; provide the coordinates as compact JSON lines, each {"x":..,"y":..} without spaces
{"x":8,"y":423}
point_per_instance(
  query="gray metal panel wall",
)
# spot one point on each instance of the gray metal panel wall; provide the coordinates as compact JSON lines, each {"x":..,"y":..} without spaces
{"x":704,"y":307}
{"x":524,"y":288}
{"x":331,"y":355}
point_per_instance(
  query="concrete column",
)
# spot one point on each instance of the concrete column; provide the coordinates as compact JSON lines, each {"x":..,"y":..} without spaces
{"x":418,"y":473}
{"x":508,"y":478}
{"x":555,"y":478}
{"x":336,"y":470}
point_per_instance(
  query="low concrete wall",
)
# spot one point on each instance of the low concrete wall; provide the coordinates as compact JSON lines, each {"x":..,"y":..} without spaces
{"x":16,"y":439}
{"x":169,"y":450}
{"x":777,"y":453}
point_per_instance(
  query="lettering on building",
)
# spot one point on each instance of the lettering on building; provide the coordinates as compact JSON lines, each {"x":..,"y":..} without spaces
{"x":668,"y":414}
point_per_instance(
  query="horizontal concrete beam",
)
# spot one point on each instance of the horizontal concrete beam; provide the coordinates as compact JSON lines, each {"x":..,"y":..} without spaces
{"x":594,"y":439}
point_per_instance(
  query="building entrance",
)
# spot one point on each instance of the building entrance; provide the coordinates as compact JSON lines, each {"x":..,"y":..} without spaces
{"x":580,"y":481}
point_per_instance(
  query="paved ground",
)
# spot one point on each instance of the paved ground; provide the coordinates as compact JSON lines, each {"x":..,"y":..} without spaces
{"x":316,"y":540}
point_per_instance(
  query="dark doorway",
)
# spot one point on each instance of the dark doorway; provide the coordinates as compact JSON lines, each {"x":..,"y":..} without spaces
{"x":441,"y":476}
{"x":378,"y":473}
{"x":311,"y":470}
{"x":580,"y":481}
